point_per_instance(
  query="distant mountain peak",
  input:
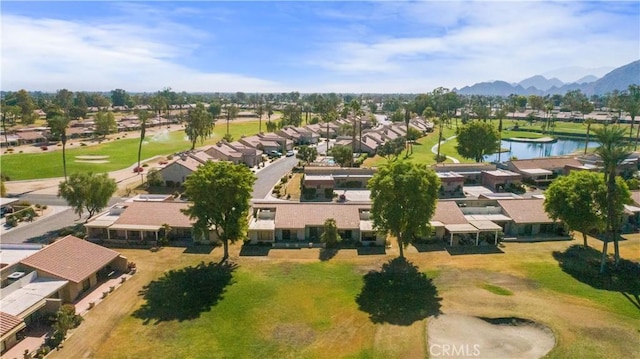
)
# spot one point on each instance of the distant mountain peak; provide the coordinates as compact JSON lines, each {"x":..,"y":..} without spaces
{"x":617,"y":79}
{"x":540,"y":82}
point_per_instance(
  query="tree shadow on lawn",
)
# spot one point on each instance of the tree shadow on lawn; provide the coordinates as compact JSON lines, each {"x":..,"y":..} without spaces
{"x":185,"y":293}
{"x":327,"y":253}
{"x":399,"y":294}
{"x":583,"y":264}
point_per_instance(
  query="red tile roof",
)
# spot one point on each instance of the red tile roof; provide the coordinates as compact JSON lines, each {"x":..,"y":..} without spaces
{"x":525,"y":210}
{"x":448,"y":212}
{"x":301,"y":215}
{"x":71,"y":258}
{"x":155,"y":214}
{"x":8,"y":322}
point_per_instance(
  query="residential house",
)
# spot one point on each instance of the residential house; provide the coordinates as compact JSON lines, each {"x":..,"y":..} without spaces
{"x":529,"y":219}
{"x":498,"y":180}
{"x":139,"y":221}
{"x":299,"y":135}
{"x":77,"y":261}
{"x":235,"y":152}
{"x":451,"y":184}
{"x":31,"y":136}
{"x":472,"y":172}
{"x":339,"y":177}
{"x":282,"y":223}
{"x":541,"y":171}
{"x":177,"y":171}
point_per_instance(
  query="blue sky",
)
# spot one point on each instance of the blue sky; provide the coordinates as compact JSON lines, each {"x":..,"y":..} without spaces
{"x":309,"y":46}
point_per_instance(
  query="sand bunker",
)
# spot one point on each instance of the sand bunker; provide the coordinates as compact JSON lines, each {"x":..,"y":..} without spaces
{"x":91,"y":157}
{"x":463,"y":336}
{"x":92,"y":161}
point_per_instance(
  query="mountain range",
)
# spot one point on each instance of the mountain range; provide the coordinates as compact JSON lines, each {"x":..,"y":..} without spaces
{"x":617,"y":79}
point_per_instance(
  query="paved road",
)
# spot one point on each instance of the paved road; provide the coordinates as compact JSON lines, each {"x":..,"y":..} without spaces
{"x":46,"y":228}
{"x":270,"y":175}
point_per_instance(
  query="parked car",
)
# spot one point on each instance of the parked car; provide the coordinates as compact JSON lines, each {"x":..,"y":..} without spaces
{"x":274,"y":153}
{"x":290,"y":153}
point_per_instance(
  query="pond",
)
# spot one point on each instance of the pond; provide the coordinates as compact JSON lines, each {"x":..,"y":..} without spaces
{"x":527,"y":150}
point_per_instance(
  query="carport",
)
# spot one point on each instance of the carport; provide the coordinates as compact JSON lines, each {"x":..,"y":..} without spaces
{"x":486,"y":226}
{"x":466,"y":228}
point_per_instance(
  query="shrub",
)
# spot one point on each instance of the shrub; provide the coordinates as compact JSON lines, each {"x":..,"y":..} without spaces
{"x":145,"y":165}
{"x":44,"y":148}
{"x":170,"y":157}
{"x":112,"y":288}
{"x":154,"y":178}
{"x":11,"y":221}
{"x":92,"y":304}
{"x":104,"y":294}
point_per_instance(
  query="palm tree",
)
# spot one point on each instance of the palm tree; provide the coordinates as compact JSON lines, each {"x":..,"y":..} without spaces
{"x":631,"y":104}
{"x":589,"y":121}
{"x":142,"y":116}
{"x":612,"y":151}
{"x":232,"y":112}
{"x":260,"y":112}
{"x":58,"y":126}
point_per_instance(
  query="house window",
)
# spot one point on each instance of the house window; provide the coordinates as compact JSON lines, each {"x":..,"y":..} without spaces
{"x":286,"y":234}
{"x":347,"y":234}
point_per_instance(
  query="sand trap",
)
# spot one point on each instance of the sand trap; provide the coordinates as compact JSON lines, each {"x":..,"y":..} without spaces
{"x":91,"y":157}
{"x":92,"y":161}
{"x":463,"y":336}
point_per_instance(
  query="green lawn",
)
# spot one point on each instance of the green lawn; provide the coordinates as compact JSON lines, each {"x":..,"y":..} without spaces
{"x":285,"y":310}
{"x":122,"y":153}
{"x":290,"y":304}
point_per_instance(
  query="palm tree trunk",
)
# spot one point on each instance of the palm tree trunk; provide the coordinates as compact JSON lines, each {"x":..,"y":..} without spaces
{"x":64,"y":158}
{"x":635,"y":146}
{"x":401,"y":246}
{"x":584,"y":238}
{"x":603,"y":261}
{"x":586,"y":140}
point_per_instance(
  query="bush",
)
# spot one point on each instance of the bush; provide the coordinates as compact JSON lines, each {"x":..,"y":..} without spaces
{"x":145,"y":165}
{"x":170,"y":157}
{"x":11,"y":221}
{"x":154,"y":178}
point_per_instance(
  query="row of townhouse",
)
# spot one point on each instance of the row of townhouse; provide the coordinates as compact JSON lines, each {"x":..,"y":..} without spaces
{"x":37,"y":280}
{"x":295,"y":223}
{"x":537,"y":171}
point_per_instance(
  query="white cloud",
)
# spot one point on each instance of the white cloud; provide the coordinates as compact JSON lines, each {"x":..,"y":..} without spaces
{"x":49,"y":54}
{"x":385,"y":47}
{"x":487,"y":41}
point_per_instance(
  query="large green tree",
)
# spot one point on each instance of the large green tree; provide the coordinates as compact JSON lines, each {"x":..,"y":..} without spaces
{"x":58,"y":127}
{"x":404,"y":197}
{"x":87,"y":192}
{"x":307,"y":154}
{"x":578,"y":200}
{"x":199,"y":125}
{"x":105,"y":123}
{"x":612,"y":151}
{"x":477,"y":139}
{"x":343,"y":155}
{"x":220,"y":192}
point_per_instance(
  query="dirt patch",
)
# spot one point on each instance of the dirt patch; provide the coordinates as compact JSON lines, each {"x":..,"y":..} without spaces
{"x":463,"y":336}
{"x":294,"y":335}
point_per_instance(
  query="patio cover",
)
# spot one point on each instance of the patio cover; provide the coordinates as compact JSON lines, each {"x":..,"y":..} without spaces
{"x":537,"y":172}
